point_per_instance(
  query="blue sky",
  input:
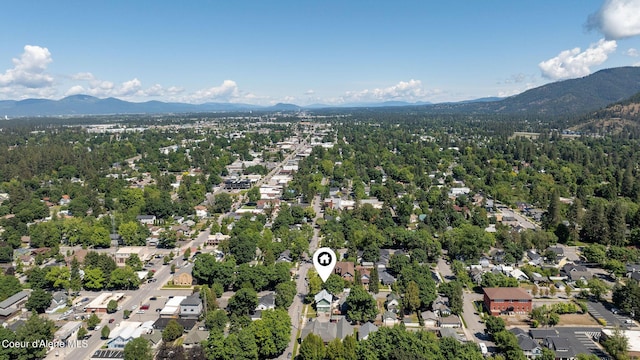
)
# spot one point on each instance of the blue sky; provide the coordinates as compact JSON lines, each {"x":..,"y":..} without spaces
{"x":304,"y":52}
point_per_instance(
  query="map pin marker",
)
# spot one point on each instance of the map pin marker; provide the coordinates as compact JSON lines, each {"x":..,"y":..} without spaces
{"x":324,"y":260}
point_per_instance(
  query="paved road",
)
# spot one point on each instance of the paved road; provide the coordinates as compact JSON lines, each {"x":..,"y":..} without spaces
{"x":132,"y":297}
{"x":599,"y":311}
{"x":295,"y":310}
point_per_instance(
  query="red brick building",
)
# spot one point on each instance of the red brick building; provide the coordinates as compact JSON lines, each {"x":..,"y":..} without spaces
{"x":507,"y":299}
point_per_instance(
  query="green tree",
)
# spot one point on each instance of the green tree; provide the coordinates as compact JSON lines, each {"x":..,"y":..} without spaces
{"x":334,"y":284}
{"x":243,"y":302}
{"x":104,"y":333}
{"x":285,"y":293}
{"x":93,"y":321}
{"x":93,"y":279}
{"x":100,"y":237}
{"x":222,"y":203}
{"x":617,"y":345}
{"x":124,"y":278}
{"x":361,"y":306}
{"x":494,"y":324}
{"x":112,"y":306}
{"x":133,"y":233}
{"x":411,"y":300}
{"x":172,"y":331}
{"x":597,"y":288}
{"x":134,"y":262}
{"x":58,"y":277}
{"x":216,"y":321}
{"x":187,"y":254}
{"x":374,"y":281}
{"x":312,"y":348}
{"x":82,"y":332}
{"x":138,"y":349}
{"x":35,"y":329}
{"x":39,"y":301}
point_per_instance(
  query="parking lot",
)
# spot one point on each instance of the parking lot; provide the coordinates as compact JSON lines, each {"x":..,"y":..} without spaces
{"x":599,"y":311}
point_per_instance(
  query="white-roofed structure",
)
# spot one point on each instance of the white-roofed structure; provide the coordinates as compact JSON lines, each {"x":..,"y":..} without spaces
{"x":99,"y":304}
{"x":67,"y":330}
{"x":127,"y":331}
{"x":172,"y":307}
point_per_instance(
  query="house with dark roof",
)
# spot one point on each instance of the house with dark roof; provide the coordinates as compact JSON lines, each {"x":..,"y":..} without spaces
{"x":507,"y":300}
{"x":561,"y":346}
{"x":285,"y":256}
{"x":541,"y":334}
{"x":529,"y":346}
{"x":534,"y":258}
{"x":267,"y":302}
{"x":191,"y":307}
{"x":386,"y":278}
{"x":441,"y":306}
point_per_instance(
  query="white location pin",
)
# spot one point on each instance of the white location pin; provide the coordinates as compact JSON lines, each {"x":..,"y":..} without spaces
{"x":324,"y":260}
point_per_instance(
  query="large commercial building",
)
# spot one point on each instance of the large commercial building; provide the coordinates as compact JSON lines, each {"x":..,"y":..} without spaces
{"x":507,"y":300}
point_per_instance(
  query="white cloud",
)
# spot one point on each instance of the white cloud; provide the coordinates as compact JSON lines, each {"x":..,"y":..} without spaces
{"x":404,"y":90}
{"x":576,"y":63}
{"x":309,"y":92}
{"x":617,"y":19}
{"x":83,"y":76}
{"x":29,"y":70}
{"x":633,"y":52}
{"x":227,"y":91}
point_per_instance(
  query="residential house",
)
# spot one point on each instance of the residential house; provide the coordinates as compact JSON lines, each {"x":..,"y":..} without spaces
{"x":201,"y":211}
{"x":484,"y":262}
{"x":195,"y":337}
{"x":285,"y":256}
{"x":559,"y":251}
{"x":430,"y":318}
{"x":389,"y":318}
{"x":541,"y":334}
{"x":393,"y":302}
{"x":534,"y":258}
{"x":58,"y":301}
{"x":191,"y":306}
{"x":506,"y":300}
{"x":323,"y":301}
{"x":452,"y":321}
{"x":64,"y":200}
{"x":519,"y":275}
{"x":146,"y":219}
{"x":345,"y":269}
{"x":267,"y":302}
{"x":441,"y":306}
{"x":561,"y":346}
{"x":216,"y":239}
{"x":328,"y":331}
{"x":529,"y":346}
{"x":364,"y":274}
{"x":11,"y":305}
{"x":386,"y":278}
{"x":365,"y":330}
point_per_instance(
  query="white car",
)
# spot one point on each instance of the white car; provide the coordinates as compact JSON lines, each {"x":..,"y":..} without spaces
{"x":97,"y":327}
{"x":140,"y":312}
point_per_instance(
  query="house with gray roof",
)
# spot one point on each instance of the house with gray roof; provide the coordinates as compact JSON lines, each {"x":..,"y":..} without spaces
{"x":191,"y":307}
{"x":451,"y":321}
{"x":561,"y":346}
{"x":58,"y":301}
{"x":267,"y":302}
{"x":386,"y":278}
{"x":365,"y":330}
{"x":328,"y":331}
{"x":195,"y":337}
{"x":323,"y":301}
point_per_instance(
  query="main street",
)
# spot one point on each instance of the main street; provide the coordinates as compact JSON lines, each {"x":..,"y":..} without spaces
{"x":132,"y":298}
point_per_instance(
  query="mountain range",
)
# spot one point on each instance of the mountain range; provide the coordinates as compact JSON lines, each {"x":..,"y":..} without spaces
{"x":568,"y":97}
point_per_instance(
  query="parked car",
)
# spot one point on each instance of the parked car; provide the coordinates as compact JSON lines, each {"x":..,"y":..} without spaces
{"x":140,"y":312}
{"x":111,"y":321}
